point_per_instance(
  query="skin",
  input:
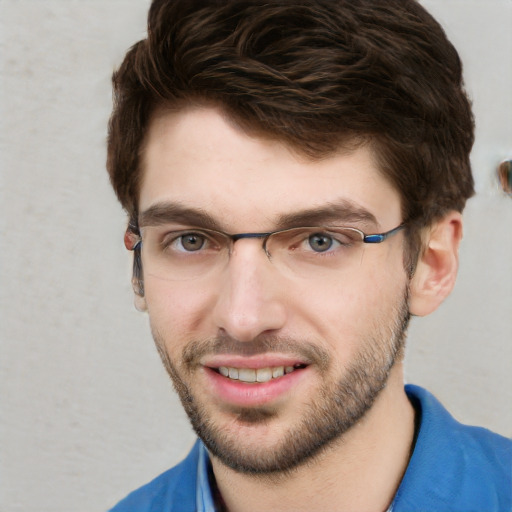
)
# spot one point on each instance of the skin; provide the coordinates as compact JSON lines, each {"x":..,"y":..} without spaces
{"x":198,"y":159}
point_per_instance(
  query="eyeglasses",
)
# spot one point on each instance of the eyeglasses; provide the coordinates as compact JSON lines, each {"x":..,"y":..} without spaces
{"x":189,"y":253}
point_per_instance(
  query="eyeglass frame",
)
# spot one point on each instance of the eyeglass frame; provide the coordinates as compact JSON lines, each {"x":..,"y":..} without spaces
{"x":374,"y":238}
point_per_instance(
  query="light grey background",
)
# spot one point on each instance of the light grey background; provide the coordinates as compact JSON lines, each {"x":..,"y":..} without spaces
{"x":87,"y":413}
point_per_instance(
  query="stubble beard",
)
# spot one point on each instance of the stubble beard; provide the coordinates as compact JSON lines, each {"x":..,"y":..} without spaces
{"x":338,"y":406}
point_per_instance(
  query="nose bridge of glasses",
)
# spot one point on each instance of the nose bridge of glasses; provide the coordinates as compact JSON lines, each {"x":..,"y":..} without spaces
{"x":261,"y":236}
{"x":239,"y":236}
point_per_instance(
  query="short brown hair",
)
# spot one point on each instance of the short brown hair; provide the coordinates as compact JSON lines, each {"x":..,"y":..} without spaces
{"x":315,"y":74}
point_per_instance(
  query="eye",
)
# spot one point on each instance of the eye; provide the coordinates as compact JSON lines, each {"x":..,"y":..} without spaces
{"x":191,"y":242}
{"x":321,"y":242}
{"x":310,"y":241}
{"x":185,"y":242}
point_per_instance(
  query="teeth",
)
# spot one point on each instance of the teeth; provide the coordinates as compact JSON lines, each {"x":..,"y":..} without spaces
{"x":245,"y":374}
{"x":253,"y":375}
{"x":277,"y":372}
{"x":263,"y":375}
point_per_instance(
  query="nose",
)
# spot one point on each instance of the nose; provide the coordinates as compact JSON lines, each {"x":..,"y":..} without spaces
{"x":250,"y":298}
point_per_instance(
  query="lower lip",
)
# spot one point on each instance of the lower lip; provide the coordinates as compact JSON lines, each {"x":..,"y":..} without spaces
{"x":247,"y":394}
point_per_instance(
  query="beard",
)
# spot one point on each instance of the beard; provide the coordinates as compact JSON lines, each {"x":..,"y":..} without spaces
{"x":338,"y":405}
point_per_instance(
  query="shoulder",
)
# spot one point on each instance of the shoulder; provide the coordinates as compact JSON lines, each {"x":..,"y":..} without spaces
{"x":175,"y":487}
{"x":454,"y":465}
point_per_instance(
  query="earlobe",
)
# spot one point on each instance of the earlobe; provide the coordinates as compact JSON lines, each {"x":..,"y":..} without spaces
{"x":139,"y":299}
{"x":140,"y":303}
{"x":437,"y":265}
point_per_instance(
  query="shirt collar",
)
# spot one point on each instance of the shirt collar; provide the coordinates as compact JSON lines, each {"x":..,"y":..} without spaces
{"x":204,"y":497}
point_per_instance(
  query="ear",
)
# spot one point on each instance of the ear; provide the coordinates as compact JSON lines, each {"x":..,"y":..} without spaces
{"x":138,"y":291}
{"x":437,"y":266}
{"x":131,"y":241}
{"x":139,"y":301}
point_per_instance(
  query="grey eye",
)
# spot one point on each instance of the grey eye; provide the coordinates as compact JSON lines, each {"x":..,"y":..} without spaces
{"x":192,"y":242}
{"x":320,"y":242}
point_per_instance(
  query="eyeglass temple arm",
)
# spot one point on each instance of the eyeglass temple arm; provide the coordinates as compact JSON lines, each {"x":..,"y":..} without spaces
{"x":377,"y":239}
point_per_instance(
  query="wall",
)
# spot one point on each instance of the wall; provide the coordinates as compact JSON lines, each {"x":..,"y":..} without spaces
{"x":87,"y":413}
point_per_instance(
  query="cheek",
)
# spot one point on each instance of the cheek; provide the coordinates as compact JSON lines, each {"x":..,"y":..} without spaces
{"x":176,"y":310}
{"x":350,"y":309}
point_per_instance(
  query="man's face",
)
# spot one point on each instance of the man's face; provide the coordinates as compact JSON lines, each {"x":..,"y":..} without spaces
{"x":323,"y":345}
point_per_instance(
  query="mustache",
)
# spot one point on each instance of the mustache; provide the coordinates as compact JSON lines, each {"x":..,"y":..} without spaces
{"x":307,"y":352}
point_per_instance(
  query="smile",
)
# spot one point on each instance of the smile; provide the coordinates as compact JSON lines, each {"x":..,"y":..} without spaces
{"x":257,"y":374}
{"x":244,"y":383}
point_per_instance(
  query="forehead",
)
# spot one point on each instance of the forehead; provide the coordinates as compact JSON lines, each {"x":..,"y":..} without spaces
{"x":199,"y":159}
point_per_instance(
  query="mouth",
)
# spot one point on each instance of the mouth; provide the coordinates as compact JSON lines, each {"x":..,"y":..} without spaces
{"x":257,"y":375}
{"x":243,"y":383}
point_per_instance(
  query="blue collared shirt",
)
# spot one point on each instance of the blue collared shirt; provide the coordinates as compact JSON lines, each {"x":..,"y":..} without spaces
{"x":204,"y":497}
{"x":453,"y":468}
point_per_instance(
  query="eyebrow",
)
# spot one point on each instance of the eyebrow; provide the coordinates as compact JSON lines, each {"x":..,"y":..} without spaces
{"x":340,"y":212}
{"x":343,"y":211}
{"x":165,"y":212}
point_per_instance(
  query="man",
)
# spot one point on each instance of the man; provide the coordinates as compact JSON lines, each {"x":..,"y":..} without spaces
{"x":294,"y":174}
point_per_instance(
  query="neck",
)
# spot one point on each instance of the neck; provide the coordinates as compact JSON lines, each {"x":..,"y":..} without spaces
{"x":360,"y":471}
